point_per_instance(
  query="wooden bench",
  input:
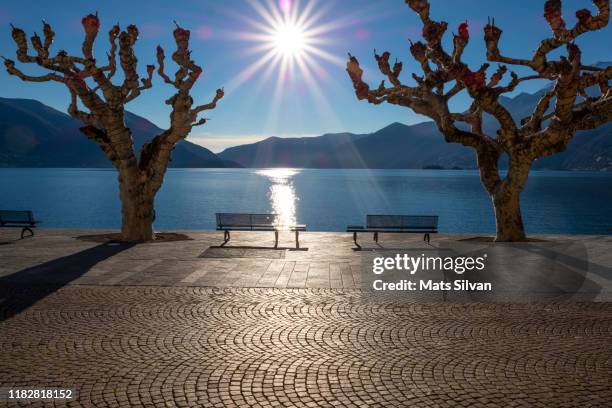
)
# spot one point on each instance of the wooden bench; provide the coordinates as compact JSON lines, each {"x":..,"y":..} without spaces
{"x":403,"y":224}
{"x":20,"y":219}
{"x":227,"y":222}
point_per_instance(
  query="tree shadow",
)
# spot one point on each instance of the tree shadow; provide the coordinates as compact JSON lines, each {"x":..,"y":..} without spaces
{"x":576,"y":262}
{"x":10,"y":241}
{"x":22,"y":289}
{"x":537,"y":271}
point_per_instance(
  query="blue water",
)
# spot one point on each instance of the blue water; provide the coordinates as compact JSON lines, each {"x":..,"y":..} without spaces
{"x":325,"y":200}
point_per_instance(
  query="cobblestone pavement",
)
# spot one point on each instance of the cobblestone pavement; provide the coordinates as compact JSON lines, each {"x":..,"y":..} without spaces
{"x":157,"y":325}
{"x":173,"y":346}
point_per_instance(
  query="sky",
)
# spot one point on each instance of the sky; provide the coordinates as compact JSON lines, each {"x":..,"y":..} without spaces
{"x":281,"y":62}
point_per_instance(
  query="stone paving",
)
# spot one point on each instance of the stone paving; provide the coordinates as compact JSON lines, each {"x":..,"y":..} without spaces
{"x":54,"y":257}
{"x":156,"y":325}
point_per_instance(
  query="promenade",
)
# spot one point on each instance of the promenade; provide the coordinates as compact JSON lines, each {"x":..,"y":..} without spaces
{"x":189,"y":324}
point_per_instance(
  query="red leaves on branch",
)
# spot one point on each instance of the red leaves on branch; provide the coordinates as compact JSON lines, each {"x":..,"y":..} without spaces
{"x":464,"y":33}
{"x":91,"y":24}
{"x":473,"y":79}
{"x":181,"y":34}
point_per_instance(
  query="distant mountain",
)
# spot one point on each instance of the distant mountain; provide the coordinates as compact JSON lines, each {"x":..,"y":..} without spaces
{"x":400,"y":146}
{"x":396,"y":146}
{"x":290,"y":152}
{"x":35,"y":135}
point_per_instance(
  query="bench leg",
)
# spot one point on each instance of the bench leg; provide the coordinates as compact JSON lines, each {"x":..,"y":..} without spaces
{"x":297,"y":239}
{"x":23,"y":231}
{"x":426,"y":238}
{"x":355,"y":240}
{"x":275,"y":239}
{"x":376,"y":236}
{"x":226,"y":237}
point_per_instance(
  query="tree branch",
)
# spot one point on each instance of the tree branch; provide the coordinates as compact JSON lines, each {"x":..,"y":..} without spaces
{"x":213,"y":104}
{"x":155,"y":155}
{"x":13,"y":70}
{"x":562,"y":36}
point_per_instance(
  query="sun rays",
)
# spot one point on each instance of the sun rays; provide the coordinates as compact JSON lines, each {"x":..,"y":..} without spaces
{"x":289,"y":41}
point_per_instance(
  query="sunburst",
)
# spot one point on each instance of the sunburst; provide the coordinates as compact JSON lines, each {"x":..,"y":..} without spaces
{"x":289,"y":40}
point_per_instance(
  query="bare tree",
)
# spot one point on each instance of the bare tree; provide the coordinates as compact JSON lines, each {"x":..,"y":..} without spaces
{"x":562,"y":111}
{"x":140,"y":177}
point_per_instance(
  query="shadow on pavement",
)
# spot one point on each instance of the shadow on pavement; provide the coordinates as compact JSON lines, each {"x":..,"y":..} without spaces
{"x":507,"y":272}
{"x":24,"y":288}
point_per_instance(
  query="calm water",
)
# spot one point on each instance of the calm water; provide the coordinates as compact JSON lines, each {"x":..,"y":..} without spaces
{"x":325,"y":200}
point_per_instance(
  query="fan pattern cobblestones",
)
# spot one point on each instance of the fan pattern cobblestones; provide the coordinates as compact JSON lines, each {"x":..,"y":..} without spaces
{"x":261,"y":347}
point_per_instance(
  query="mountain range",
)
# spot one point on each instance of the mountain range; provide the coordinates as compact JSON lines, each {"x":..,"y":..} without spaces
{"x":419,"y":146}
{"x":35,"y":135}
{"x":400,"y":146}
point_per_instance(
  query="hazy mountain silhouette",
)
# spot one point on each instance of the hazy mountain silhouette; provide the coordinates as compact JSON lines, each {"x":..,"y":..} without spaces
{"x":35,"y":135}
{"x":400,"y":146}
{"x":417,"y":146}
{"x":290,"y":152}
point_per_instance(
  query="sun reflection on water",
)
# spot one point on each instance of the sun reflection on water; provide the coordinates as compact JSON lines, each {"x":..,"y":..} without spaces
{"x":282,"y":194}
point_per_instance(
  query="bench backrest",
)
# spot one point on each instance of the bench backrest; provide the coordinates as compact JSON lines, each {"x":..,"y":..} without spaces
{"x":245,"y":220}
{"x":403,"y":221}
{"x":8,"y":216}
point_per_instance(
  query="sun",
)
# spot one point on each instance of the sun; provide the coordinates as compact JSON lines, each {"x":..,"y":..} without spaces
{"x":287,"y":46}
{"x":289,"y":40}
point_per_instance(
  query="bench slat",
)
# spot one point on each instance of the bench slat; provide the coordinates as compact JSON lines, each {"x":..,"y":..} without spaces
{"x":392,"y":230}
{"x":267,"y":222}
{"x":17,"y":217}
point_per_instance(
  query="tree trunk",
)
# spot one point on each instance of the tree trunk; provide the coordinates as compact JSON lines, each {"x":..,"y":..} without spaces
{"x":505,"y":194}
{"x":507,"y":200}
{"x":137,"y":209}
{"x":508,"y":219}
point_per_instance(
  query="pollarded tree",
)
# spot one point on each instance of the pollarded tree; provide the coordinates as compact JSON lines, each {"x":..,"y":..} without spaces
{"x":562,"y":111}
{"x":140,"y":176}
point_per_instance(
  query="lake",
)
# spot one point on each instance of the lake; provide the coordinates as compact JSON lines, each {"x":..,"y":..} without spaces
{"x":325,"y":200}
